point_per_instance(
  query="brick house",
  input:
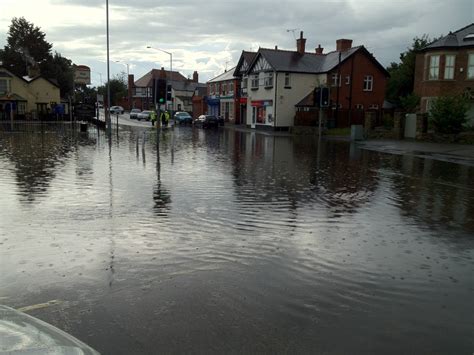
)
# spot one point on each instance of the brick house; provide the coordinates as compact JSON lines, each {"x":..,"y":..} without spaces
{"x":279,"y":79}
{"x":199,"y":102}
{"x":446,"y":67}
{"x":180,"y":88}
{"x":223,"y":96}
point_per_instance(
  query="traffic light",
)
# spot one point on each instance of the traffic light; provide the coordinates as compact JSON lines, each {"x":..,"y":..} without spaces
{"x":321,"y":97}
{"x":160,"y":90}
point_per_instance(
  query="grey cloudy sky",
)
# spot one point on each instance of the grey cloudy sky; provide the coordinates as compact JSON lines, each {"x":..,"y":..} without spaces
{"x":207,"y":36}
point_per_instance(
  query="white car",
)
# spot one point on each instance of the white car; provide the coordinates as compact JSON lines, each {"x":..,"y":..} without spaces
{"x":116,"y":109}
{"x":144,"y":115}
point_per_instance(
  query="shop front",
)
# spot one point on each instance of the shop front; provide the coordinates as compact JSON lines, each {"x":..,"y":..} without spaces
{"x":262,"y":113}
{"x":213,"y":106}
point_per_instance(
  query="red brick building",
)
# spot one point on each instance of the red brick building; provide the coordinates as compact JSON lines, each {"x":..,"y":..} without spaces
{"x":223,"y":94}
{"x":446,"y":67}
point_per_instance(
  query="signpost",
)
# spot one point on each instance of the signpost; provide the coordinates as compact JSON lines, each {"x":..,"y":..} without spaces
{"x":82,"y":75}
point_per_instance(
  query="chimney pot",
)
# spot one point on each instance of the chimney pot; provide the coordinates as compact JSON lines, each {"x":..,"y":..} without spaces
{"x":319,"y":50}
{"x":195,"y":76}
{"x":276,"y":48}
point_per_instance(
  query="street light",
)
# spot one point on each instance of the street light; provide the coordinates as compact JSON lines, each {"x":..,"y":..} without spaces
{"x":128,"y":72}
{"x":171,"y":72}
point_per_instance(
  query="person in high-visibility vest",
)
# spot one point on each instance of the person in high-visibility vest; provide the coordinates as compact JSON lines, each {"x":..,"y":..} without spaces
{"x":163,"y":118}
{"x":167,"y":117}
{"x":153,"y":117}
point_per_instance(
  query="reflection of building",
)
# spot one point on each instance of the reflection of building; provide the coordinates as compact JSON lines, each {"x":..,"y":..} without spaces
{"x":446,"y":67}
{"x":33,"y":95}
{"x":223,"y":96}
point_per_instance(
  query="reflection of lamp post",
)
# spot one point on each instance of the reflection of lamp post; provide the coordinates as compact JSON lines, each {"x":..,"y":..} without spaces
{"x":128,"y":88}
{"x":171,"y":73}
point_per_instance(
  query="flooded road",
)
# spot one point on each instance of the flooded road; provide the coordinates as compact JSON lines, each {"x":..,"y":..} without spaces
{"x":231,"y":242}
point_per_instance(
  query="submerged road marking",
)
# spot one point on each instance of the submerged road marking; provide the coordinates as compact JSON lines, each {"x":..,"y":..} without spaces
{"x":39,"y":306}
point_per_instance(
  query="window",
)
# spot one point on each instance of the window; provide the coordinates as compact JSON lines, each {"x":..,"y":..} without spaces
{"x":470,"y":66}
{"x":224,"y":88}
{"x":348,"y":80}
{"x":359,"y":107}
{"x":374,"y":107}
{"x":449,"y":67}
{"x":334,"y":106}
{"x":287,"y":80}
{"x":434,"y":68}
{"x":4,"y":87}
{"x":336,"y":80}
{"x":21,"y":108}
{"x":368,"y":83}
{"x":268,"y":81}
{"x":254,"y":81}
{"x":244,"y":83}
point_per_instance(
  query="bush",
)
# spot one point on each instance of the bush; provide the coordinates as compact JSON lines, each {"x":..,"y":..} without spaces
{"x":410,"y":103}
{"x":448,"y":114}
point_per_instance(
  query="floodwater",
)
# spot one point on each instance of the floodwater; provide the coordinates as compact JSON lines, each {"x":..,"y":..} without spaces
{"x":236,"y":242}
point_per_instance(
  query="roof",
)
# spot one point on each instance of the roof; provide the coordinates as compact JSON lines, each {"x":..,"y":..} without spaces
{"x":187,"y":85}
{"x":227,"y":75}
{"x":12,"y":97}
{"x":247,"y":57}
{"x":457,"y":39}
{"x":147,"y":79}
{"x":311,"y":63}
{"x":28,"y":79}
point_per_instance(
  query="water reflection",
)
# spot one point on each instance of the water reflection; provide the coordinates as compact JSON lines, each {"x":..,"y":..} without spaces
{"x":199,"y":232}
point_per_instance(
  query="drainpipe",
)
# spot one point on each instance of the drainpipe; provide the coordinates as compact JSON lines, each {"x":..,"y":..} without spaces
{"x":338,"y":83}
{"x":275,"y":102}
{"x":350,"y":92}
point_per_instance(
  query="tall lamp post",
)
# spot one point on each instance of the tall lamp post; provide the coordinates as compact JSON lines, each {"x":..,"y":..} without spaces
{"x":171,"y":73}
{"x":108,"y":121}
{"x":128,"y":89}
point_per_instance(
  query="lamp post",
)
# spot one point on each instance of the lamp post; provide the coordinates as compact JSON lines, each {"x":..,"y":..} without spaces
{"x":171,"y":73}
{"x":128,"y":88}
{"x":108,"y":121}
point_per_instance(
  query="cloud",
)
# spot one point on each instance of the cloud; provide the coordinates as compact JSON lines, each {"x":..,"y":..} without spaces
{"x":208,"y":36}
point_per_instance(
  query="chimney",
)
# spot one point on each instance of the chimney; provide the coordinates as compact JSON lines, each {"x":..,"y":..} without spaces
{"x":195,"y":76}
{"x":33,"y":71}
{"x":162,"y":74}
{"x":319,"y":50}
{"x":343,"y":44}
{"x":301,"y":44}
{"x":276,"y":48}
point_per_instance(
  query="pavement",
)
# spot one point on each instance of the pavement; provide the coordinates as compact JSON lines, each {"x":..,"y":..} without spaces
{"x":453,"y":153}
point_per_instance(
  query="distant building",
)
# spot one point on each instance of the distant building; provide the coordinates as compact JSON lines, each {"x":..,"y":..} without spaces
{"x":446,"y":67}
{"x":180,"y":89}
{"x":223,"y":96}
{"x":32,"y":95}
{"x":199,"y":102}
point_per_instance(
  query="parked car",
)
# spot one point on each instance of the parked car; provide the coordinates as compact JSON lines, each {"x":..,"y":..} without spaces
{"x":207,"y":121}
{"x":134,"y":112}
{"x":117,"y":109}
{"x":144,"y":115}
{"x":183,"y":117}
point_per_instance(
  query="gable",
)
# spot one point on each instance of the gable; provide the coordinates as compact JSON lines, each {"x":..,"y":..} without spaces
{"x":260,"y":64}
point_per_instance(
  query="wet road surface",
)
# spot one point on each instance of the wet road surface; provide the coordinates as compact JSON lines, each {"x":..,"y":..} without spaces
{"x":195,"y":241}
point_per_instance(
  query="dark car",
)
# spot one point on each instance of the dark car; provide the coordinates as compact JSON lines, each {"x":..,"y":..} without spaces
{"x":207,"y":121}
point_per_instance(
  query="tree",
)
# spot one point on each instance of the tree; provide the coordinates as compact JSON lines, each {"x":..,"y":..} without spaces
{"x":118,"y":89}
{"x":448,"y":113}
{"x":26,"y":45}
{"x":402,"y":75}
